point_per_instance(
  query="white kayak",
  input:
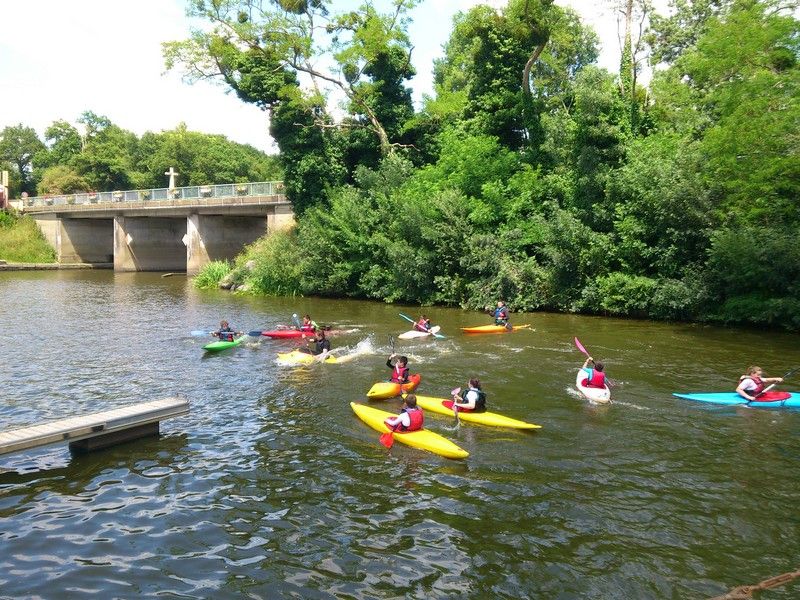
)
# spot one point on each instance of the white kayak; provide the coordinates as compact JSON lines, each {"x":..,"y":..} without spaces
{"x":410,"y":335}
{"x":592,"y":394}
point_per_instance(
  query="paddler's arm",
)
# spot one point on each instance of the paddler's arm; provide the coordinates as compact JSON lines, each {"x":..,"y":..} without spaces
{"x":742,"y":392}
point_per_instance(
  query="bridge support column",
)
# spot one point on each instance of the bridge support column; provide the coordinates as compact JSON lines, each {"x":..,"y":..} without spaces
{"x":149,"y":244}
{"x":219,"y":237}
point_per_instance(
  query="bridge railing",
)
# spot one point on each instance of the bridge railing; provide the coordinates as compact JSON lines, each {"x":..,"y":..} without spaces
{"x":192,"y":192}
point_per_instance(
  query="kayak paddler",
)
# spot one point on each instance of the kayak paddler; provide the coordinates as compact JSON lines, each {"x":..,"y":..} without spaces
{"x":473,"y":400}
{"x":410,"y":417}
{"x":308,"y":325}
{"x":224,"y":333}
{"x":400,"y":370}
{"x":501,"y":314}
{"x":751,"y":384}
{"x":318,"y":344}
{"x":595,"y":376}
{"x":423,"y":324}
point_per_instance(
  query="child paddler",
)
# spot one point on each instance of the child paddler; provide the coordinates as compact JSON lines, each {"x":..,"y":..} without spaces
{"x":400,"y":370}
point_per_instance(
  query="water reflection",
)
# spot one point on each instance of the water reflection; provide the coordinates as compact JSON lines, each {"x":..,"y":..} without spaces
{"x":271,"y":486}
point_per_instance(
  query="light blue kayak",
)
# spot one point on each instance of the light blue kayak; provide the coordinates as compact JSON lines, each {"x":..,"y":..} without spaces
{"x":770,"y":399}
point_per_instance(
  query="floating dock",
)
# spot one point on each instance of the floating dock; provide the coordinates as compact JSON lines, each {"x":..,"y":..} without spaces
{"x":97,"y":430}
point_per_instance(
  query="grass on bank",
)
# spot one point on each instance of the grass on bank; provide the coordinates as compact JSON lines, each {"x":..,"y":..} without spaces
{"x":274,"y":267}
{"x":21,"y":241}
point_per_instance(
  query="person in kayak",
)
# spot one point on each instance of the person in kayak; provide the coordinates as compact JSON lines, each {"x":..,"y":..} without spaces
{"x":751,"y":384}
{"x":400,"y":370}
{"x":224,"y":333}
{"x":410,"y":417}
{"x":473,"y":400}
{"x":595,"y":377}
{"x":308,"y":326}
{"x":423,"y":324}
{"x":318,"y":344}
{"x":501,"y":314}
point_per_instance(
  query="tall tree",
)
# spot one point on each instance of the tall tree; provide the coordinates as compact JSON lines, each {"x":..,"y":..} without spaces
{"x":299,"y":37}
{"x":19,"y":145}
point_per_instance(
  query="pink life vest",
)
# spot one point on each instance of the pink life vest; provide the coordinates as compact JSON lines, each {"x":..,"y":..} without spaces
{"x":400,"y":374}
{"x":759,"y":384}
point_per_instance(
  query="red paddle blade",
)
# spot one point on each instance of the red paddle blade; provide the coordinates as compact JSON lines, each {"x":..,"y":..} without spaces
{"x":580,"y":347}
{"x":387,"y":439}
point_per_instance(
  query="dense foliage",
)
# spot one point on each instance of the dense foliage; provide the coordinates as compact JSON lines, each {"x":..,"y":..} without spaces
{"x":109,"y":158}
{"x":562,"y":189}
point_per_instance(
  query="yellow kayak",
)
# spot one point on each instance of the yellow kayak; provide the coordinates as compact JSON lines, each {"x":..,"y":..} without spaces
{"x":422,"y":438}
{"x":388,"y":389}
{"x":295,"y":357}
{"x":493,"y":328}
{"x":438,"y":405}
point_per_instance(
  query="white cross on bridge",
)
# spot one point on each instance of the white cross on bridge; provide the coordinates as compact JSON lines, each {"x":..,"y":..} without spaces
{"x":172,"y":174}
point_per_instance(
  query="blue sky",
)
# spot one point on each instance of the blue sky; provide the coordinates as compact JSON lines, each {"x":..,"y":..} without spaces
{"x":59,"y":59}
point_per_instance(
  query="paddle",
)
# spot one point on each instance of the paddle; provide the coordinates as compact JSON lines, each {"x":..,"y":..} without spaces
{"x":580,"y":347}
{"x":769,"y":387}
{"x":198,"y":332}
{"x":391,"y":342}
{"x":295,"y":320}
{"x":433,"y":333}
{"x":387,"y":439}
{"x":255,"y":333}
{"x":455,"y":393}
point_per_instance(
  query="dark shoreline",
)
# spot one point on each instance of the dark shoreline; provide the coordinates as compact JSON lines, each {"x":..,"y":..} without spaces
{"x":4,"y":266}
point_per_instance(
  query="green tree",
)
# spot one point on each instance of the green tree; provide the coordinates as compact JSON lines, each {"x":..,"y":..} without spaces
{"x":19,"y":145}
{"x":61,"y":179}
{"x":64,"y":142}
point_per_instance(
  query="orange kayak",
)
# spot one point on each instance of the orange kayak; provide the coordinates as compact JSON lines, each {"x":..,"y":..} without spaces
{"x":493,"y":328}
{"x":389,"y":389}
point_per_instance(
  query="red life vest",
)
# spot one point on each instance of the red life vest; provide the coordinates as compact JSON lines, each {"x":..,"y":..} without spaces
{"x":400,"y":374}
{"x":759,"y":384}
{"x":308,"y":328}
{"x":421,"y":325}
{"x":598,"y":379}
{"x":417,"y":419}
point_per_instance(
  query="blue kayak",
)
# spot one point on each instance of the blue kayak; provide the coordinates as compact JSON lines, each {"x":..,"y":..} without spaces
{"x":768,"y":400}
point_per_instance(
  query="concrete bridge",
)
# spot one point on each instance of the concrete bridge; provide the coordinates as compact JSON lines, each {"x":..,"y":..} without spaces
{"x":167,"y":229}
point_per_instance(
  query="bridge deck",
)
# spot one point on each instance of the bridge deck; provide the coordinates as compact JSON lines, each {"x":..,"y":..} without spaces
{"x":138,"y":419}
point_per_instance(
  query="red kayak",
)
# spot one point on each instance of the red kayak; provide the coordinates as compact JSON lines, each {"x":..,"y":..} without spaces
{"x":287,"y":333}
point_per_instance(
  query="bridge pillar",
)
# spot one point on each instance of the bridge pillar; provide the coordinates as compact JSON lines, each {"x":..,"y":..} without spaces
{"x":149,"y":244}
{"x":85,"y":241}
{"x":219,"y":237}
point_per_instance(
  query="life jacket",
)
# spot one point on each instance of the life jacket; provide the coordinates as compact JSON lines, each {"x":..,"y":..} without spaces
{"x":759,"y":384}
{"x":421,"y":325}
{"x":417,"y":419}
{"x":399,"y":375}
{"x":225,"y":335}
{"x":322,"y":345}
{"x":598,"y":379}
{"x":480,"y":403}
{"x":500,"y":316}
{"x":308,"y":328}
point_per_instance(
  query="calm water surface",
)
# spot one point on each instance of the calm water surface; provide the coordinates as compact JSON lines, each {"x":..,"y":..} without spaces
{"x":271,"y":487}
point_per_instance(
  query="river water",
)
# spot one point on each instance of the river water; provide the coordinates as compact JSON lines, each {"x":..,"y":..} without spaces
{"x":271,"y":487}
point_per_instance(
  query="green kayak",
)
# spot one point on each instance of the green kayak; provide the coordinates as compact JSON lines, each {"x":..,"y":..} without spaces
{"x":217,"y":346}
